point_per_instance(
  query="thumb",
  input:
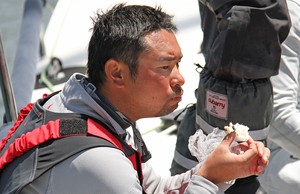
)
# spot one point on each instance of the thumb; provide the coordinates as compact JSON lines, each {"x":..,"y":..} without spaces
{"x":228,"y":139}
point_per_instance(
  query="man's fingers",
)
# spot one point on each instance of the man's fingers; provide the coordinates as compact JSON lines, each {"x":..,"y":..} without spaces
{"x":260,"y":148}
{"x":251,"y":144}
{"x":264,"y":159}
{"x":229,"y":138}
{"x":252,"y":151}
{"x":261,"y":167}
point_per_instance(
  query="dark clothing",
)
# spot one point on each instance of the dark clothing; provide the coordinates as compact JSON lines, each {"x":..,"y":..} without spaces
{"x":248,"y":185}
{"x":241,"y":46}
{"x":241,"y":39}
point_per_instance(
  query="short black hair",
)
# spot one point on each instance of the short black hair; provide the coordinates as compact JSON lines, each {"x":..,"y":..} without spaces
{"x":119,"y":34}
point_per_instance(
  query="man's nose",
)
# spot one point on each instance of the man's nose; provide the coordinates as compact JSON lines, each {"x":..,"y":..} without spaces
{"x":177,"y":79}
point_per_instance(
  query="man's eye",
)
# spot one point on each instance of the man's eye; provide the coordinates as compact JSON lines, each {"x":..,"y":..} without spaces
{"x":165,"y":67}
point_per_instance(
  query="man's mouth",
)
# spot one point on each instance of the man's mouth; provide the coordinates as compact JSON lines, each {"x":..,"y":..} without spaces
{"x":178,"y":91}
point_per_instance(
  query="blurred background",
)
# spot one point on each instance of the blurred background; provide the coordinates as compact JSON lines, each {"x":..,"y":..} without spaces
{"x":11,"y":13}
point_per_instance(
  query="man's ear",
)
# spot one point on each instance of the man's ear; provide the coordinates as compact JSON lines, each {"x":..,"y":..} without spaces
{"x":115,"y":71}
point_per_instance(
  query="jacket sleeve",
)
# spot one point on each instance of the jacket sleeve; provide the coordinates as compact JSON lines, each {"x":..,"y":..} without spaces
{"x":185,"y":183}
{"x":285,"y":127}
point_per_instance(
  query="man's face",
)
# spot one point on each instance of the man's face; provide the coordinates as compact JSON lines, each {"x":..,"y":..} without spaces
{"x":156,"y":90}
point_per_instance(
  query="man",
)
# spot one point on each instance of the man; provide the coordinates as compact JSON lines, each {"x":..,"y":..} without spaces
{"x":133,"y":61}
{"x":283,"y":140}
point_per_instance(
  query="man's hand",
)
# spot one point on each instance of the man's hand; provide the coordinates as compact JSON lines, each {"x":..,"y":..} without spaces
{"x":222,"y":165}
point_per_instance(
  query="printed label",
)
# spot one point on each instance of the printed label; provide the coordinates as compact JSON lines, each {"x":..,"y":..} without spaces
{"x":216,"y":104}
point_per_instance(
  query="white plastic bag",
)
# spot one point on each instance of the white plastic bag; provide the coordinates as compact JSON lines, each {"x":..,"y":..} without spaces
{"x":201,"y":145}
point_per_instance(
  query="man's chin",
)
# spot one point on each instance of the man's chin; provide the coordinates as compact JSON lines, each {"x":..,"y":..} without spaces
{"x":169,"y":110}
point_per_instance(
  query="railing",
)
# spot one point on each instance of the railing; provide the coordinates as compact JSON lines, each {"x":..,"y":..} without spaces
{"x":6,"y":88}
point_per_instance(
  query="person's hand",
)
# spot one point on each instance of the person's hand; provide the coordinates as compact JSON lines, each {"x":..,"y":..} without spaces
{"x":262,"y":157}
{"x":222,"y":165}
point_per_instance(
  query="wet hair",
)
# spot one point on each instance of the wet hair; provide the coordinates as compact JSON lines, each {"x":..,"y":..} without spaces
{"x":119,"y":34}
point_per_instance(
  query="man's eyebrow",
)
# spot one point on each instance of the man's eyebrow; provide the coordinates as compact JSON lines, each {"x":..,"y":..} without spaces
{"x":170,"y":58}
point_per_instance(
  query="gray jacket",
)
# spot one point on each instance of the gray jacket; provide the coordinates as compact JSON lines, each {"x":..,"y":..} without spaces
{"x":285,"y":126}
{"x":103,"y":169}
